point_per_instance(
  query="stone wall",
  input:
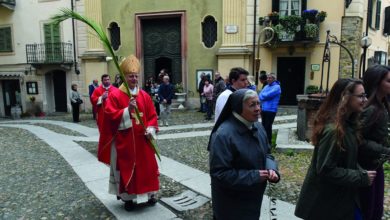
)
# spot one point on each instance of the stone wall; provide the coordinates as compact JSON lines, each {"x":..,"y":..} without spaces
{"x":308,"y":106}
{"x":351,"y":31}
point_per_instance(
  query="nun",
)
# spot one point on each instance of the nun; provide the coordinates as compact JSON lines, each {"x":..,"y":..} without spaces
{"x":240,"y":159}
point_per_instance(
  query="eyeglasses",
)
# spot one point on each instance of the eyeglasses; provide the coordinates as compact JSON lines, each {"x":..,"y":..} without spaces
{"x":362,"y":96}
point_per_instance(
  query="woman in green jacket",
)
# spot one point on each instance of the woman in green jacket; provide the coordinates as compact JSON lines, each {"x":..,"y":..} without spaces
{"x":375,"y":149}
{"x":330,"y":189}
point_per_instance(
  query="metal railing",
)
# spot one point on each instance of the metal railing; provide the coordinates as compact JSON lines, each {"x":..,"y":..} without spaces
{"x":49,"y":53}
{"x":10,"y":2}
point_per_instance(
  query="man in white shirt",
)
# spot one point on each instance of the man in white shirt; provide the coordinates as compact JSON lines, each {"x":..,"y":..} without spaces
{"x":238,"y":79}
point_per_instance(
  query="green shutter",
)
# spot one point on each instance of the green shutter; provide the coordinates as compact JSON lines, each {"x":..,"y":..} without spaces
{"x":52,"y":43}
{"x":386,"y":26}
{"x":5,"y":39}
{"x":378,"y":14}
{"x":370,"y":13}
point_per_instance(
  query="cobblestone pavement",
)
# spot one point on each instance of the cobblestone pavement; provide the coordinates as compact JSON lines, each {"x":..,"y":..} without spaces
{"x":37,"y":183}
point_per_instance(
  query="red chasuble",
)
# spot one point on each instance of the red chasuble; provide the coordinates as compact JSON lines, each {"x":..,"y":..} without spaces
{"x":136,"y":161}
{"x":97,"y":93}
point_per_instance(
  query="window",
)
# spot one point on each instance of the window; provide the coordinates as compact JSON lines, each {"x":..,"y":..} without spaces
{"x":380,"y":57}
{"x":386,"y":27}
{"x":32,"y":87}
{"x":115,"y":35}
{"x":378,"y":14}
{"x":374,"y":11}
{"x":289,"y":7}
{"x":209,"y":31}
{"x":5,"y":39}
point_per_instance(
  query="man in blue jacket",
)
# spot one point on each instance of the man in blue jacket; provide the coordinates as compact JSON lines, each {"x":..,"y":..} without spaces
{"x":269,"y":98}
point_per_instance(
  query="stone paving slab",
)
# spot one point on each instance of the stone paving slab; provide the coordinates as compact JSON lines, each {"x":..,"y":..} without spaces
{"x":207,"y":125}
{"x":283,"y":142}
{"x":207,"y":132}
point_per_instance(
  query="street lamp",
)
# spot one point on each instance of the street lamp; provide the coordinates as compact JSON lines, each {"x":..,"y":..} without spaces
{"x":365,"y":42}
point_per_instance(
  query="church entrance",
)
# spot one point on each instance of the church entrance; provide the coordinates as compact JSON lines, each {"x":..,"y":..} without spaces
{"x":161,"y":43}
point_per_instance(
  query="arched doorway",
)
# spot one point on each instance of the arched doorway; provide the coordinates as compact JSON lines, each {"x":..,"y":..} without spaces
{"x":162,"y":63}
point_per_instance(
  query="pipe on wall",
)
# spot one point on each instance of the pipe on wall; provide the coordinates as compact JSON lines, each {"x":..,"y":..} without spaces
{"x":254,"y":41}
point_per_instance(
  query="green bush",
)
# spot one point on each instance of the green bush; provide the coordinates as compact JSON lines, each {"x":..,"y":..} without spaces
{"x":311,"y":89}
{"x":311,"y":30}
{"x":290,"y":23}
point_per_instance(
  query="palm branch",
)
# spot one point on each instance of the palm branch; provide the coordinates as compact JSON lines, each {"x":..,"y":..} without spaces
{"x":69,"y":14}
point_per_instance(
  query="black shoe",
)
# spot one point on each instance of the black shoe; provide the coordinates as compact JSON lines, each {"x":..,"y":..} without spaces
{"x":152,"y":200}
{"x":129,"y":206}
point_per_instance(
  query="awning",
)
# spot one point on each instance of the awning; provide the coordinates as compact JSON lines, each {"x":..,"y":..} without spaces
{"x":11,"y":74}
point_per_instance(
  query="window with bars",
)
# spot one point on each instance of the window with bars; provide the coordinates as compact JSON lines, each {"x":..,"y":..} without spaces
{"x":6,"y":39}
{"x":209,"y":31}
{"x":115,"y":35}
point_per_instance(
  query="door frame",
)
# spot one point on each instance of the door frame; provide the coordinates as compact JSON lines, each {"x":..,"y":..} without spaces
{"x":307,"y":65}
{"x":307,"y":57}
{"x":183,"y":30}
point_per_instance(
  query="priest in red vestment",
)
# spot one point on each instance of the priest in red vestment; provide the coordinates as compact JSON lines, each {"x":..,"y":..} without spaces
{"x":99,"y":101}
{"x":125,"y":143}
{"x":99,"y":96}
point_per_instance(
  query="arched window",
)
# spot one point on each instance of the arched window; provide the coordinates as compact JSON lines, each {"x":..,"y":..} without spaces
{"x":115,"y":35}
{"x":209,"y":31}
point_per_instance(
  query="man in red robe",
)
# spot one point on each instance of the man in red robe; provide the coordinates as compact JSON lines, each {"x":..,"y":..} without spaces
{"x":125,"y":143}
{"x":99,"y":97}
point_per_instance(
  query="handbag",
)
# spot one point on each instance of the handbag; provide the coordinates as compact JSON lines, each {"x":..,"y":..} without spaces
{"x":203,"y":99}
{"x":79,"y":101}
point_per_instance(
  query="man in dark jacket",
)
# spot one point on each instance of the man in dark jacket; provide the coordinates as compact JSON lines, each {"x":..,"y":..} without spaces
{"x":165,"y":94}
{"x":200,"y":91}
{"x":92,"y":88}
{"x":219,"y":86}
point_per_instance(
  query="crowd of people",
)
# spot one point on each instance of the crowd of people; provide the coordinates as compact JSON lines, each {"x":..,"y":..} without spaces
{"x":345,"y":179}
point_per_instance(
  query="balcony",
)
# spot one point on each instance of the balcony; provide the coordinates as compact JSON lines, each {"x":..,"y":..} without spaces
{"x":49,"y":53}
{"x":294,"y":29}
{"x":10,"y":4}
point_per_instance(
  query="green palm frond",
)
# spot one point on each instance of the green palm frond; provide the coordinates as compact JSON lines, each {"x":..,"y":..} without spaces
{"x":69,"y":14}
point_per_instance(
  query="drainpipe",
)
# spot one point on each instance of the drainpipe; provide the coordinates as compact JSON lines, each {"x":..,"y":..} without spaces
{"x":76,"y":70}
{"x":254,"y":43}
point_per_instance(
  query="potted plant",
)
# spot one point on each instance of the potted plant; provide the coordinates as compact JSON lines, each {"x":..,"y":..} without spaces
{"x":311,"y":31}
{"x":312,"y":89}
{"x":180,"y":94}
{"x":290,"y":26}
{"x":274,"y":17}
{"x":279,"y":31}
{"x":179,"y":88}
{"x":310,"y":15}
{"x":320,"y":17}
{"x":261,"y":20}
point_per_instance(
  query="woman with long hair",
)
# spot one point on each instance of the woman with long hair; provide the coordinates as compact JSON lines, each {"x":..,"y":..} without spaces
{"x":375,"y":150}
{"x":330,"y":188}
